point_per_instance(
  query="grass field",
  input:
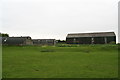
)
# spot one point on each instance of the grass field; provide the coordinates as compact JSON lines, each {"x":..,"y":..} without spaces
{"x":77,"y":61}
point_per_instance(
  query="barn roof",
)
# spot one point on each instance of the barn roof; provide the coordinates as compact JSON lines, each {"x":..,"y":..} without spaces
{"x":96,"y":34}
{"x":16,"y":38}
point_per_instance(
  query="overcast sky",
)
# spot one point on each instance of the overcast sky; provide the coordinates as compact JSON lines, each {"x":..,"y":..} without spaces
{"x":57,"y":18}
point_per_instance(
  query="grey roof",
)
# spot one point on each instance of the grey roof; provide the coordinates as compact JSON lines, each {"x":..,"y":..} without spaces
{"x":96,"y":34}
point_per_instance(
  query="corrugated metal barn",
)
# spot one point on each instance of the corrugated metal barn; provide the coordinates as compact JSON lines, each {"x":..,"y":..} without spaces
{"x":91,"y":38}
{"x":44,"y":41}
{"x":0,"y":40}
{"x":17,"y":40}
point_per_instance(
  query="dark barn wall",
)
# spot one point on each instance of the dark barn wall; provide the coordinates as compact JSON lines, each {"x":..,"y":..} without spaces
{"x":99,"y":40}
{"x":85,"y":40}
{"x":81,"y":40}
{"x":35,"y":42}
{"x":91,"y":38}
{"x":43,"y":41}
{"x":111,"y":39}
{"x":88,"y":40}
{"x":17,"y":41}
{"x":0,"y":40}
{"x":14,"y":41}
{"x":72,"y":40}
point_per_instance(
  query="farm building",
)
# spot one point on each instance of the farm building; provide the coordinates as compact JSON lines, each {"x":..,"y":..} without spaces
{"x":91,"y":38}
{"x":0,"y":40}
{"x":44,"y":41}
{"x":17,"y":40}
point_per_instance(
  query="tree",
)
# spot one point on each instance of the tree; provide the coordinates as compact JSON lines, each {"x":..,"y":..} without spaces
{"x":4,"y":35}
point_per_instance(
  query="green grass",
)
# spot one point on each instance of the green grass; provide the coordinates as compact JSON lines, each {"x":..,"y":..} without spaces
{"x":76,"y":61}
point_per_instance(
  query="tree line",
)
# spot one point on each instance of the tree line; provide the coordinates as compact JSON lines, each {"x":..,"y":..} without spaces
{"x":4,"y":35}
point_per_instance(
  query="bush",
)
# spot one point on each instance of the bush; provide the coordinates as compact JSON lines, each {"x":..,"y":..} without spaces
{"x":112,"y":42}
{"x":47,"y":50}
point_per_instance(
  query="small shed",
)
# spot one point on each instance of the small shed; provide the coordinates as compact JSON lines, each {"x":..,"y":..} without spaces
{"x":44,"y":42}
{"x":91,"y":38}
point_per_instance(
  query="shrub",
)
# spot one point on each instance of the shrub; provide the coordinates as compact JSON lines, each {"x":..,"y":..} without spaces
{"x":47,"y":50}
{"x":112,"y":42}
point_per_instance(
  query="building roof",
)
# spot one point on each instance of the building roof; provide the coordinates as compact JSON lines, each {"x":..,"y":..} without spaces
{"x":96,"y":34}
